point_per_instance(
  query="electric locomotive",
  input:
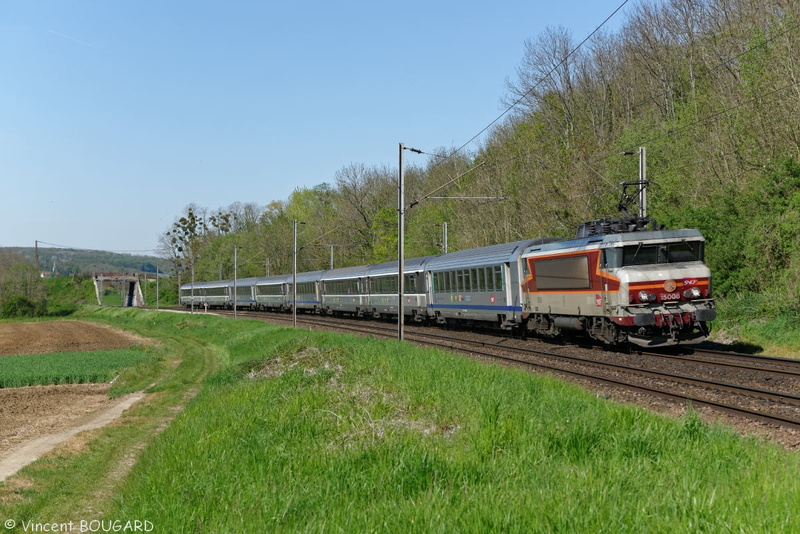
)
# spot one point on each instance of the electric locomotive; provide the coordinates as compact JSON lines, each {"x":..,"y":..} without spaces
{"x":620,"y":281}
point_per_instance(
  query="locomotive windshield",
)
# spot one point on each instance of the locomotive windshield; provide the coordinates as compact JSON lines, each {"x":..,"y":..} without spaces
{"x":647,"y":254}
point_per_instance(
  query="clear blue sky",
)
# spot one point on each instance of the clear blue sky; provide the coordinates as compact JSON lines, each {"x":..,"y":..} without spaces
{"x":114,"y":115}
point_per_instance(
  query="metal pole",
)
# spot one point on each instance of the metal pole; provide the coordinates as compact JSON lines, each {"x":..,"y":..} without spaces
{"x":444,"y":238}
{"x":331,"y":257}
{"x":642,"y":183}
{"x":235,"y":293}
{"x":157,"y":288}
{"x":294,"y":275}
{"x":400,"y":251}
{"x":192,"y":286}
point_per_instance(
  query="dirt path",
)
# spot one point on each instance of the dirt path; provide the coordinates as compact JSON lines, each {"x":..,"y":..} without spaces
{"x":34,"y":420}
{"x":30,"y":450}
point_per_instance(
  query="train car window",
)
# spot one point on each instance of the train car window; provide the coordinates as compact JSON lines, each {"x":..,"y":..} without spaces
{"x":473,"y":280}
{"x":305,"y":287}
{"x":480,"y":279}
{"x":612,"y":258}
{"x":642,"y":254}
{"x":410,"y":283}
{"x":385,"y":284}
{"x":347,"y":287}
{"x":269,"y":290}
{"x":684,"y":251}
{"x":498,"y":278}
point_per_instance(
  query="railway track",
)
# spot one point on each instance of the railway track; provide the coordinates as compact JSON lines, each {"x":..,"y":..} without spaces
{"x":752,"y":387}
{"x":781,"y":366}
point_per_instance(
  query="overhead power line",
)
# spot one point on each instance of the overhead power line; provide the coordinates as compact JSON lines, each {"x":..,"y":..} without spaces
{"x":507,"y":110}
{"x":529,"y":91}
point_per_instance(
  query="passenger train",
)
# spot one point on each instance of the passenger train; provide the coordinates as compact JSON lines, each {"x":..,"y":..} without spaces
{"x":616,"y":282}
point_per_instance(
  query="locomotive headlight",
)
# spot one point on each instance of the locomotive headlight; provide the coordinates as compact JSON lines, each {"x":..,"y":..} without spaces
{"x":644,"y":296}
{"x":693,"y":293}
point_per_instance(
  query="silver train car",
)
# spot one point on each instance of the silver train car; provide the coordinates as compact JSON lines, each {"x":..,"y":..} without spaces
{"x":478,"y":285}
{"x":649,"y":288}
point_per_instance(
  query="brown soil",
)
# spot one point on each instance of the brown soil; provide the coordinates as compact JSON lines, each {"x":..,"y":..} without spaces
{"x":51,"y":414}
{"x":62,"y":336}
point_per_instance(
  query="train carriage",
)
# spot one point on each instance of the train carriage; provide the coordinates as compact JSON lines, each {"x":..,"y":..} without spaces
{"x":478,"y":285}
{"x":308,"y":292}
{"x":343,"y":291}
{"x":272,"y":292}
{"x":244,"y":289}
{"x":384,"y":291}
{"x":214,"y":294}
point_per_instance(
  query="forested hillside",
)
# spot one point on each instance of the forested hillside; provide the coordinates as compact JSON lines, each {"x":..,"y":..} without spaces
{"x":709,"y":87}
{"x":68,"y":261}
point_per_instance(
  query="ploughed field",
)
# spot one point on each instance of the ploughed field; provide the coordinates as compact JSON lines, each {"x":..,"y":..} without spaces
{"x":29,"y":412}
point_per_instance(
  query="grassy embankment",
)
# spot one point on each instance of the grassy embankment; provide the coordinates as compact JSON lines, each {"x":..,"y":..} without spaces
{"x":748,"y":320}
{"x":306,"y":431}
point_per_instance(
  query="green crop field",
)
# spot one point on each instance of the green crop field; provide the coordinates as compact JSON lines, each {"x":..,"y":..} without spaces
{"x":66,"y":367}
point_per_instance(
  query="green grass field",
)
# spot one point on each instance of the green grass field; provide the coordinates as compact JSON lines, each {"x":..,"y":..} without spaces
{"x":315,"y":432}
{"x":66,"y":367}
{"x":298,"y":431}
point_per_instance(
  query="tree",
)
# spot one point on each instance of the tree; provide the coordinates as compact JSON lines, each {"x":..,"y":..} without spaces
{"x":22,"y":292}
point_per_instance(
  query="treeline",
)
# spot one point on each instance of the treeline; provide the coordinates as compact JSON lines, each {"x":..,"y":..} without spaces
{"x":24,"y":293}
{"x":709,"y":87}
{"x":68,"y":261}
